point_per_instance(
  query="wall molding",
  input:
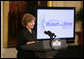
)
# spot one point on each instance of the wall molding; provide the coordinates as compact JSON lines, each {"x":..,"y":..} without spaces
{"x":6,"y":11}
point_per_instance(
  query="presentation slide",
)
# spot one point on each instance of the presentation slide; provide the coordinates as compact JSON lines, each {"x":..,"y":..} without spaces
{"x":58,"y":21}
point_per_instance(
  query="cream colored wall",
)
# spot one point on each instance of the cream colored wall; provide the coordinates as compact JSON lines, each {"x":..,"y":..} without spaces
{"x":2,"y":48}
{"x":76,"y":4}
{"x":58,"y":3}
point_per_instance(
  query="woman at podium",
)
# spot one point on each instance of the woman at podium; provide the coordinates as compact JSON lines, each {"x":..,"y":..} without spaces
{"x":26,"y":36}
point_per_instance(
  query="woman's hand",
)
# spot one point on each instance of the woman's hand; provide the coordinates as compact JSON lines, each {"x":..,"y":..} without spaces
{"x":30,"y":42}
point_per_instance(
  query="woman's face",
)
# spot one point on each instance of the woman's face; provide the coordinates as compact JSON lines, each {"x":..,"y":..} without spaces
{"x":31,"y":24}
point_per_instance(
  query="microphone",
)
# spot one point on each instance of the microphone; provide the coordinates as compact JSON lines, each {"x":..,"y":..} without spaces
{"x":49,"y":33}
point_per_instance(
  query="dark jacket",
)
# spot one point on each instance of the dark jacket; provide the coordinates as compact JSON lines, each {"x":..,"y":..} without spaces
{"x":24,"y":37}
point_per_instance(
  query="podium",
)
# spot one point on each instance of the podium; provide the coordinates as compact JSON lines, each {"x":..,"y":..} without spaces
{"x":42,"y":48}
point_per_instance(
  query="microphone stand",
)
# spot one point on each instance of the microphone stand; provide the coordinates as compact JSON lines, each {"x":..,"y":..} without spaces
{"x":52,"y":37}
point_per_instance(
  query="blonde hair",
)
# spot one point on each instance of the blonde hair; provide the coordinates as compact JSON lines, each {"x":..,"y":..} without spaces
{"x":27,"y":18}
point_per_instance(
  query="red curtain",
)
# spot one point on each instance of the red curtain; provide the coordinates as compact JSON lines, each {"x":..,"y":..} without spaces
{"x":16,"y":11}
